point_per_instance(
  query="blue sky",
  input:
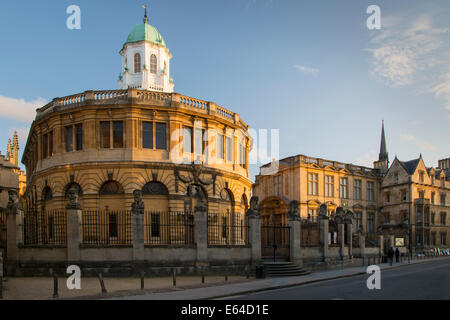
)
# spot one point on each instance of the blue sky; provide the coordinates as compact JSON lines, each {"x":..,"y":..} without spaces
{"x":311,"y":69}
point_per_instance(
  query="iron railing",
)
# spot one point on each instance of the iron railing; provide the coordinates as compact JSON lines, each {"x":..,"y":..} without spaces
{"x":107,"y":227}
{"x":45,"y":228}
{"x":225,"y":229}
{"x":168,"y":228}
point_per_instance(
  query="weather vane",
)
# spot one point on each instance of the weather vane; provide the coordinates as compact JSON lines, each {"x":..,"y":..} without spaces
{"x":145,"y":16}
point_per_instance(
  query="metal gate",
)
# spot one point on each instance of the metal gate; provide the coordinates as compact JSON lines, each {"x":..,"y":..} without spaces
{"x":275,"y":240}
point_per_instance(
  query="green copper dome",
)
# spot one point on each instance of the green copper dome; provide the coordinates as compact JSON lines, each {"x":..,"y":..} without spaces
{"x":145,"y":32}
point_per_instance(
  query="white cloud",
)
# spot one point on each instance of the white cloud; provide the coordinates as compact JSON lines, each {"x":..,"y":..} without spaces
{"x":413,"y":52}
{"x":417,"y":142}
{"x":19,"y":109}
{"x":307,"y":70}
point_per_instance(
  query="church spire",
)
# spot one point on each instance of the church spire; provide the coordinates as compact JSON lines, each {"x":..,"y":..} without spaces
{"x":383,"y":155}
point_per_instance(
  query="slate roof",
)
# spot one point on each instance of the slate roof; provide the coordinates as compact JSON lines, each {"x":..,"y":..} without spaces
{"x":411,"y":165}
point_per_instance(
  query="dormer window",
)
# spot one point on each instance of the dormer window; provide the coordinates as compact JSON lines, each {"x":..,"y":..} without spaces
{"x":137,"y":63}
{"x":153,"y":64}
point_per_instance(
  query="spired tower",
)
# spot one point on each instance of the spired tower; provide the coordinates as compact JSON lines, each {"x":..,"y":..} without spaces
{"x":382,"y":165}
{"x":12,"y":153}
{"x":145,"y":60}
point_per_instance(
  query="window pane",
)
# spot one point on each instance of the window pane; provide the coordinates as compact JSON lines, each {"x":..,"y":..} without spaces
{"x":137,"y":63}
{"x":187,"y":138}
{"x":147,"y":135}
{"x":220,"y":146}
{"x":118,"y":134}
{"x":50,"y":143}
{"x":105,"y":134}
{"x":79,"y":136}
{"x":198,"y":145}
{"x":152,"y":63}
{"x":161,"y":143}
{"x":229,"y":149}
{"x":155,"y":225}
{"x":69,"y":139}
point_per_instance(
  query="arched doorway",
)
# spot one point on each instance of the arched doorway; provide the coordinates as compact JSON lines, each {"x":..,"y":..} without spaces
{"x":273,"y":211}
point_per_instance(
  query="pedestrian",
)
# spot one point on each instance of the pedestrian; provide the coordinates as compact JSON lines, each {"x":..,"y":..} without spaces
{"x":397,"y":255}
{"x":391,"y":255}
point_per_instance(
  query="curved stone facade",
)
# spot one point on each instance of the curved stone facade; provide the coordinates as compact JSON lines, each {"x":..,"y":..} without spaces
{"x":97,"y":141}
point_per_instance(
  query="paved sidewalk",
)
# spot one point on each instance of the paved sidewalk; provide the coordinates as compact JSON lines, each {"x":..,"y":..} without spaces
{"x":257,"y":285}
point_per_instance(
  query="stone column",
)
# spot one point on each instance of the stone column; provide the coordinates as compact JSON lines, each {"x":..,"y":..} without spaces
{"x":391,"y":238}
{"x":349,"y":227}
{"x":294,"y":223}
{"x":341,"y":240}
{"x":14,"y":225}
{"x":254,"y":237}
{"x":323,"y":232}
{"x":380,"y":244}
{"x":201,"y":231}
{"x":137,"y":212}
{"x":74,"y":227}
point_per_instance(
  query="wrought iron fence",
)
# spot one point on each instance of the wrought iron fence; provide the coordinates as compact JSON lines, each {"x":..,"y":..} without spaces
{"x":168,"y":228}
{"x":107,"y":227}
{"x":275,"y":241}
{"x":225,"y":229}
{"x":45,"y":228}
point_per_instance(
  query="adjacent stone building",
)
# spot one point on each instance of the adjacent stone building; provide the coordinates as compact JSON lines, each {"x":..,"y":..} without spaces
{"x":406,"y":202}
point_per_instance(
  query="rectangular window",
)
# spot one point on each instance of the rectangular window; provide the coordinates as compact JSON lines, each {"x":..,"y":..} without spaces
{"x":161,"y":136}
{"x":343,"y":188}
{"x":357,"y":220}
{"x":421,"y":176}
{"x":155,"y":225}
{"x":442,"y":199}
{"x":198,"y":144}
{"x":105,"y":132}
{"x":388,"y":197}
{"x":147,"y":135}
{"x":69,"y":139}
{"x":312,"y":213}
{"x":370,"y":191}
{"x":118,"y":134}
{"x":79,"y":136}
{"x":187,"y":139}
{"x":50,"y":144}
{"x":370,"y":222}
{"x":433,"y":194}
{"x":313,"y":179}
{"x":329,"y":186}
{"x":357,"y":190}
{"x":404,"y":196}
{"x":220,"y":146}
{"x":443,"y":239}
{"x":229,"y":143}
{"x":277,"y":185}
{"x":443,"y":218}
{"x":433,"y":239}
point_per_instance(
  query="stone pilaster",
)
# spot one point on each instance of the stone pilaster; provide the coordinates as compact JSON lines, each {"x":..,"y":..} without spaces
{"x":381,"y":243}
{"x":341,"y":240}
{"x":323,"y":237}
{"x":74,"y":226}
{"x":362,"y":244}
{"x":201,"y":232}
{"x":349,"y":227}
{"x":14,"y":225}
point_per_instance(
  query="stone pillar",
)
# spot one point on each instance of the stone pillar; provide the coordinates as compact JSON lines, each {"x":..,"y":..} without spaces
{"x":294,"y":223}
{"x":74,"y":226}
{"x":349,"y":227}
{"x":254,"y":237}
{"x":137,"y":212}
{"x":380,"y":244}
{"x":201,"y":231}
{"x":14,"y":225}
{"x":341,"y":240}
{"x":323,"y":237}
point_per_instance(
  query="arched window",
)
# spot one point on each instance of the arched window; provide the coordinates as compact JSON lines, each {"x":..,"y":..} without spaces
{"x":47,"y":193}
{"x":111,"y":187}
{"x":152,"y":63}
{"x":137,"y":63}
{"x":155,"y":188}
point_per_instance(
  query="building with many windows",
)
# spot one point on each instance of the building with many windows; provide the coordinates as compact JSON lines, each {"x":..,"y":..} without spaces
{"x":144,"y":137}
{"x":406,"y":200}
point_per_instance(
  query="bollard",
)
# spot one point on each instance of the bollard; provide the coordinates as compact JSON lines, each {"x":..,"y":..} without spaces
{"x":226,"y":277}
{"x":1,"y":287}
{"x":55,"y":285}
{"x":102,"y":283}
{"x":142,"y":280}
{"x":174,"y":277}
{"x":203,"y":278}
{"x":363,"y":261}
